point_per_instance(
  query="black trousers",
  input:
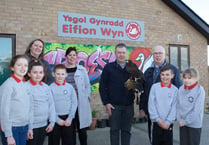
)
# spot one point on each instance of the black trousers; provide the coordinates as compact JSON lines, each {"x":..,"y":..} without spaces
{"x":82,"y":133}
{"x":63,"y":133}
{"x":39,"y":135}
{"x":161,"y":136}
{"x":149,"y":124}
{"x":120,"y":124}
{"x":190,"y":136}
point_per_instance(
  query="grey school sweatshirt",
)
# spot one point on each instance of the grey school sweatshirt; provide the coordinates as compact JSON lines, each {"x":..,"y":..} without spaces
{"x":190,"y":106}
{"x":43,"y":105}
{"x":16,"y":105}
{"x":65,"y":99}
{"x":162,"y":103}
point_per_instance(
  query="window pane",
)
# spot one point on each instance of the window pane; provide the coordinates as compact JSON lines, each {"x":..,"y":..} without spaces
{"x":174,"y":56}
{"x":6,"y":48}
{"x":184,"y":58}
{"x":5,"y":56}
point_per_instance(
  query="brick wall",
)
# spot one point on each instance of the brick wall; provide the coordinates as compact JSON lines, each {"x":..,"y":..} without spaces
{"x":30,"y":19}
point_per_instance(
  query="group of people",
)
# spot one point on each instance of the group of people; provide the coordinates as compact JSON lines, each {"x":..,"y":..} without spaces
{"x":36,"y":101}
{"x":164,"y":100}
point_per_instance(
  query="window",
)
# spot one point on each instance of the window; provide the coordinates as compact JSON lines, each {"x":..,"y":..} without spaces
{"x":179,"y":56}
{"x":7,"y":47}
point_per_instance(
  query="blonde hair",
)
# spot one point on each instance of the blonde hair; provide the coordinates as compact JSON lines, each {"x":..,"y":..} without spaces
{"x":192,"y":72}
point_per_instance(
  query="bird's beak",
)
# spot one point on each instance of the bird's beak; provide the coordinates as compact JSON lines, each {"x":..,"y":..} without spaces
{"x":138,"y":59}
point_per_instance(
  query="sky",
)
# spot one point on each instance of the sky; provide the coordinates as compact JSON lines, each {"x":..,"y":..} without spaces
{"x":201,"y":8}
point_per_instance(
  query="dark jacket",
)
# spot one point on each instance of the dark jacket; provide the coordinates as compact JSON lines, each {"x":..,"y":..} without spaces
{"x":48,"y":77}
{"x":112,"y":88}
{"x":148,"y":76}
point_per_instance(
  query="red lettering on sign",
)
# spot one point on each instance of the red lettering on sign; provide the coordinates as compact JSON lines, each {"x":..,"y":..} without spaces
{"x":64,"y":28}
{"x":105,"y":31}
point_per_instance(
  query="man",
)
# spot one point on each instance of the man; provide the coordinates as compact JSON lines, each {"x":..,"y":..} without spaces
{"x":152,"y":75}
{"x":117,"y":98}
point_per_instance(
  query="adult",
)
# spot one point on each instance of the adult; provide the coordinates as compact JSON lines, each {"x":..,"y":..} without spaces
{"x":152,"y":75}
{"x":78,"y":78}
{"x":117,"y":98}
{"x":35,"y":51}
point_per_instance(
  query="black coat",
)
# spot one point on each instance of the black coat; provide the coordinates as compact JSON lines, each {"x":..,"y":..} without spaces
{"x":112,"y":85}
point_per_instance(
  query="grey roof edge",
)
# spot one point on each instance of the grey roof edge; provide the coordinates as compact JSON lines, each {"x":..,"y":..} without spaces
{"x":190,"y":16}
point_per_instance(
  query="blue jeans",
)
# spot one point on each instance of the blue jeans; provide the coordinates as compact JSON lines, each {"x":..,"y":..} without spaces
{"x":19,"y":133}
{"x":120,"y":124}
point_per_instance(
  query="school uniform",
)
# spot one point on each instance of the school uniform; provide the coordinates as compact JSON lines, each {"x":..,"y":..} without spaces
{"x":3,"y":139}
{"x":162,"y":106}
{"x":152,"y":75}
{"x":190,"y":109}
{"x":16,"y":110}
{"x":65,"y":99}
{"x":44,"y":111}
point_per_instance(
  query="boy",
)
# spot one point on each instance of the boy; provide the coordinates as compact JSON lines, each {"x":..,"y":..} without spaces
{"x":65,"y":100}
{"x":162,"y":108}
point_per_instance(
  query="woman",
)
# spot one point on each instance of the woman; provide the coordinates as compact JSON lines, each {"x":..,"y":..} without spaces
{"x":35,"y":51}
{"x":78,"y":77}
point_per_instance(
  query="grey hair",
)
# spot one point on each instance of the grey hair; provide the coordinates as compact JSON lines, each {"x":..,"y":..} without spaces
{"x":159,"y":46}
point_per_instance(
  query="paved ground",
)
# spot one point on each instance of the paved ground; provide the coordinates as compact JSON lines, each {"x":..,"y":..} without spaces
{"x":100,"y":136}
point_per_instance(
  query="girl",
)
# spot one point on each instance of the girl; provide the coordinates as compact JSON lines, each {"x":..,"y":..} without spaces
{"x":190,"y":108}
{"x":78,"y":78}
{"x":43,"y":104}
{"x":16,"y":105}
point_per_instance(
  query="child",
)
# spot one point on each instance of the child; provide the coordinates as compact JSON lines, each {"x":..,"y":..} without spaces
{"x":162,"y":108}
{"x":190,"y":108}
{"x":16,"y":104}
{"x":65,"y":104}
{"x":44,"y":108}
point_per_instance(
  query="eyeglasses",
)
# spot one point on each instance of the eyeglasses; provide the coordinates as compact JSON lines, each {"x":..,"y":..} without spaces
{"x":157,"y":53}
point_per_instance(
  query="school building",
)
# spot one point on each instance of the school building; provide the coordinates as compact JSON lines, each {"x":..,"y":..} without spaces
{"x":96,"y":26}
